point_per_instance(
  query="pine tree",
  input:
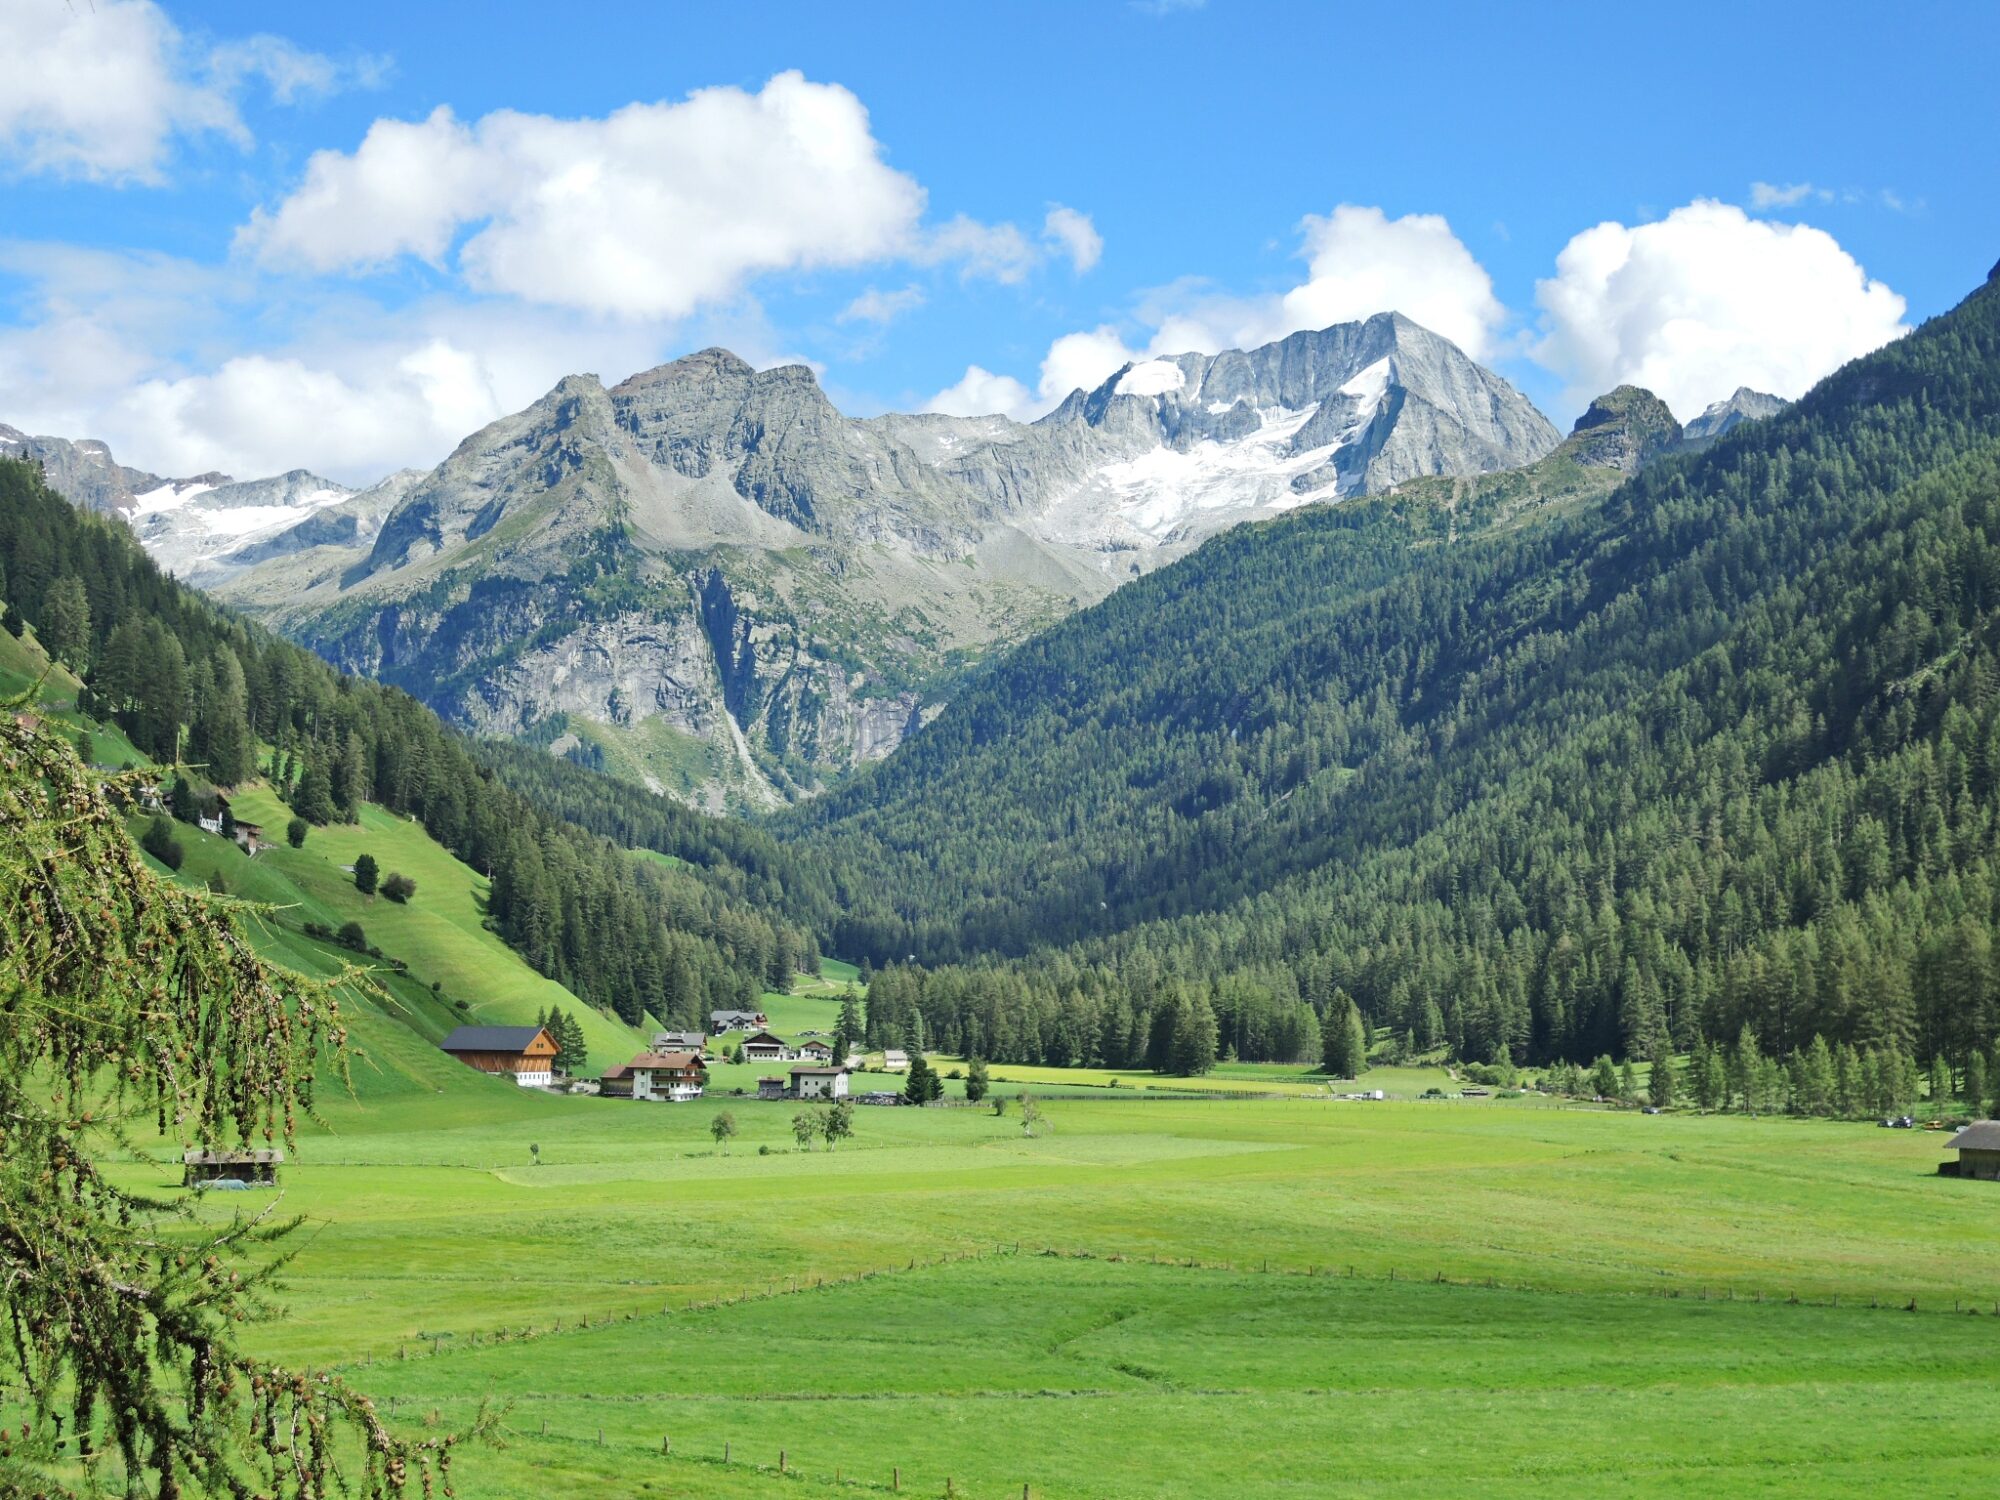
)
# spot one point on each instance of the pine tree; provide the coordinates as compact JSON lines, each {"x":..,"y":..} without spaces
{"x":64,"y":627}
{"x":1194,"y":1040}
{"x":1604,"y":1078}
{"x":976,"y":1081}
{"x":366,"y":874}
{"x":1660,"y":1088}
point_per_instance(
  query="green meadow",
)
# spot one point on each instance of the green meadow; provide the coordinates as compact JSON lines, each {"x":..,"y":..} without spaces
{"x":1153,"y":1296}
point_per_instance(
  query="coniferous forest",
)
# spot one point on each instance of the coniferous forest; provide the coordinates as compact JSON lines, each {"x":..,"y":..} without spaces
{"x":1718,"y":753}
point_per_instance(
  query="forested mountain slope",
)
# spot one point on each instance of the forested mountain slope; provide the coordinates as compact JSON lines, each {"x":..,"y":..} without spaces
{"x":185,"y":679}
{"x":1565,"y":778}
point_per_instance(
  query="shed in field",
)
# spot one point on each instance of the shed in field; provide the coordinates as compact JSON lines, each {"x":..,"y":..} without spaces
{"x":1978,"y":1148}
{"x":259,"y":1165}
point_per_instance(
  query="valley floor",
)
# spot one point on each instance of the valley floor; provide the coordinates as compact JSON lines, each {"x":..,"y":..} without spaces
{"x":948,"y":1299}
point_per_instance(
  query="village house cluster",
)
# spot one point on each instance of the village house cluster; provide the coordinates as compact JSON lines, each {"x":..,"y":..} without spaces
{"x":674,"y":1069}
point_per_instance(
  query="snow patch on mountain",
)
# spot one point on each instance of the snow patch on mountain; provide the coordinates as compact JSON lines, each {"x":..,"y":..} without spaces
{"x":1156,"y":377}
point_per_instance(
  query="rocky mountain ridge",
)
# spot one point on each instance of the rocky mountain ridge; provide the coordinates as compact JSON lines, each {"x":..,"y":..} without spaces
{"x":708,"y":578}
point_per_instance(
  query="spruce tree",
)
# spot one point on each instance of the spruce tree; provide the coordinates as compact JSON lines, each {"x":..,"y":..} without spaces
{"x":1660,"y":1088}
{"x":976,"y":1081}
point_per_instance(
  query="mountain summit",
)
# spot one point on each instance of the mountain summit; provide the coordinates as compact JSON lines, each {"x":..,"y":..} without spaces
{"x":709,"y":578}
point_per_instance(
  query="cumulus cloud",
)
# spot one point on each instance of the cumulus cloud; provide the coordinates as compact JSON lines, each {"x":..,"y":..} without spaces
{"x":100,"y":92}
{"x":880,"y":307}
{"x":981,"y":393}
{"x":141,"y":351}
{"x":1074,"y":235}
{"x":647,"y":213}
{"x":103,"y":91}
{"x":1705,"y":300}
{"x":1081,"y":361}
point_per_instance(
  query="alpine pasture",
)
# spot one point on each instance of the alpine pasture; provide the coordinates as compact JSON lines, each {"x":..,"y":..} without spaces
{"x":1268,"y":1297}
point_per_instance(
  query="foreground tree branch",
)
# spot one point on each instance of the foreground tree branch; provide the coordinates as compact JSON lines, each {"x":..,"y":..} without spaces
{"x":126,"y":998}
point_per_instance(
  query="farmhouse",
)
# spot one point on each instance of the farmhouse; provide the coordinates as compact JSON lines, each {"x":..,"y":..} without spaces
{"x":615,"y":1083}
{"x":676,"y":1076}
{"x":764,"y":1047}
{"x":680,"y":1041}
{"x":770,"y":1088}
{"x":720,"y":1021}
{"x":261,"y":1166}
{"x":895,"y":1060}
{"x":817,"y":1052}
{"x":1978,"y":1148}
{"x":250,"y":836}
{"x":525,"y":1053}
{"x":813,"y":1082}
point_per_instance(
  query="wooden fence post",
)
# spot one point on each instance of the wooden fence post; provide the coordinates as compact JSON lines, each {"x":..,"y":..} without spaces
{"x":725,"y":1453}
{"x":896,"y":1479}
{"x":781,"y":1460}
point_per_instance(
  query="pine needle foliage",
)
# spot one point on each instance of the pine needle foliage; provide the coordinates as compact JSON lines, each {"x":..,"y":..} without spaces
{"x":127,"y":1002}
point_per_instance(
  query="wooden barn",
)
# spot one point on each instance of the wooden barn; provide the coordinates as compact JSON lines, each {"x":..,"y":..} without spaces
{"x":527,"y":1054}
{"x":258,"y":1166}
{"x":1978,"y":1148}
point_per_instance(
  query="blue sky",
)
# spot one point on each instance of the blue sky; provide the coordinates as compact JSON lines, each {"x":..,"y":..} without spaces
{"x":955,"y":206}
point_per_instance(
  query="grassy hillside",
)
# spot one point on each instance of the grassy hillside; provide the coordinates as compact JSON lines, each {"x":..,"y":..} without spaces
{"x":439,"y":934}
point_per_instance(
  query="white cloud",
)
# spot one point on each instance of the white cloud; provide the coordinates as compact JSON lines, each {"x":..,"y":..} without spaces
{"x":1082,"y":361}
{"x":1075,"y":235}
{"x":1000,"y":251}
{"x":981,"y":393}
{"x":878,"y":306}
{"x":1705,"y":300}
{"x":145,"y":352}
{"x":1363,"y":262}
{"x":647,"y":213}
{"x":102,"y":91}
{"x":1786,"y":195}
{"x":292,"y":74}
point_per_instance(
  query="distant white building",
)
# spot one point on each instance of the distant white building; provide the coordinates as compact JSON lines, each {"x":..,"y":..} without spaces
{"x":811,"y":1081}
{"x":675,"y":1076}
{"x":895,"y":1060}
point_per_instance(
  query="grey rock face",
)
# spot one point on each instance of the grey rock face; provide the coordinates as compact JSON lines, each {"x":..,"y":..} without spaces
{"x":709,"y":565}
{"x":1623,"y":430}
{"x":1168,"y":452}
{"x":1745,"y":405}
{"x":85,"y":471}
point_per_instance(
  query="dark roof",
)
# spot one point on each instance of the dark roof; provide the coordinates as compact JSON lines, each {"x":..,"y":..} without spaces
{"x":764,"y":1036}
{"x":214,"y":1158}
{"x":815,"y":1069}
{"x":1981,"y":1135}
{"x":490,"y":1039}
